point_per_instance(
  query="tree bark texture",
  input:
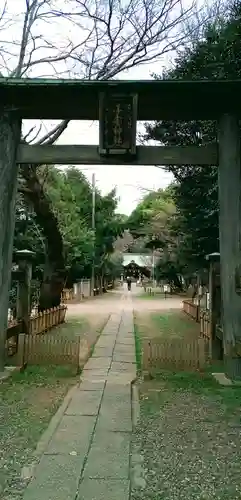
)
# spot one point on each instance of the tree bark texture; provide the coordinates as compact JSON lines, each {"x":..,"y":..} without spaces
{"x":229,"y":236}
{"x":54,"y":270}
{"x":10,"y":131}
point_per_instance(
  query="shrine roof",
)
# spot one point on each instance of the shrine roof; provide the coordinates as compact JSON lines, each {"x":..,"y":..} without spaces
{"x":157,"y":99}
{"x":139,"y":259}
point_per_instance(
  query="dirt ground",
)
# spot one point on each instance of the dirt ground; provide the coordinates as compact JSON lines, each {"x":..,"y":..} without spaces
{"x":188,"y":438}
{"x":116,"y":300}
{"x":27,"y":403}
{"x":188,"y":435}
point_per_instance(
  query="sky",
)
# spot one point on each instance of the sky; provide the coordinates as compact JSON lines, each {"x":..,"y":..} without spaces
{"x":131,"y":182}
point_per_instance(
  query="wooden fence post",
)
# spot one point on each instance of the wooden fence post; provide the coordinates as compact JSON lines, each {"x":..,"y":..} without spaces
{"x":214,"y":306}
{"x":21,"y":354}
{"x":24,"y":258}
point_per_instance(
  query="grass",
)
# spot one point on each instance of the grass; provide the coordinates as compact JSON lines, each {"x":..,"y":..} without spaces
{"x":72,"y":328}
{"x":28,"y":401}
{"x":137,"y":347}
{"x":175,"y":324}
{"x":166,"y":324}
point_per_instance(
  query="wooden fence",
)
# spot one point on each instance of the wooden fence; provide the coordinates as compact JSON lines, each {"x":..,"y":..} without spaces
{"x":67,"y":295}
{"x":191,"y":309}
{"x":46,"y":320}
{"x":200,"y":316}
{"x":205,"y":324}
{"x":40,"y":323}
{"x":50,"y":350}
{"x":176,"y":354}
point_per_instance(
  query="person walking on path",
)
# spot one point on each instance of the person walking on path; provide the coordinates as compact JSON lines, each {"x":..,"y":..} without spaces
{"x":129,"y":283}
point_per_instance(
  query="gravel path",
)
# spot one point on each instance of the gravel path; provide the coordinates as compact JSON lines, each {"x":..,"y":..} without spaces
{"x":113,"y":302}
{"x":189,"y":443}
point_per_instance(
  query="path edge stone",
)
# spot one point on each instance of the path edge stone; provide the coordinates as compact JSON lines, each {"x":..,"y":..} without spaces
{"x":27,"y":472}
{"x":135,"y":402}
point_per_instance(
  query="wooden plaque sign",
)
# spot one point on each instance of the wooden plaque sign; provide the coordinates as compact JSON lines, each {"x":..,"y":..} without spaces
{"x":117,"y":115}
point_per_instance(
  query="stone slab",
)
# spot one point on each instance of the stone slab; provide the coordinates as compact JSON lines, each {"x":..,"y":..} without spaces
{"x":116,"y":419}
{"x":105,"y":343}
{"x":93,"y":378}
{"x":102,"y":489}
{"x":125,"y":336}
{"x":54,"y":422}
{"x":104,"y":352}
{"x":124,"y":358}
{"x":72,"y":436}
{"x":126,"y":330}
{"x":122,"y":367}
{"x":56,"y":478}
{"x":109,"y":456}
{"x":222,"y":379}
{"x":94,"y":373}
{"x":120,"y":379}
{"x":85,"y":403}
{"x":98,"y":364}
{"x":114,"y":397}
{"x":125,"y":340}
{"x":93,"y":385}
{"x":120,"y":347}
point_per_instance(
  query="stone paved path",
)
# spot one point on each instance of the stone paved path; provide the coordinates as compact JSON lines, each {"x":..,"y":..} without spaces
{"x":88,"y":455}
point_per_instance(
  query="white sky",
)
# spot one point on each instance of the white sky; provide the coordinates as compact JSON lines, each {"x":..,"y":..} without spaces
{"x":131,"y":181}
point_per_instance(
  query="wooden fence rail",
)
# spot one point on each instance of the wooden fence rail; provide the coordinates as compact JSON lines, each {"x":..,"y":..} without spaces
{"x":67,"y":295}
{"x":46,"y":320}
{"x":52,"y":350}
{"x":38,"y":324}
{"x":205,"y":324}
{"x":48,"y":350}
{"x":191,"y":309}
{"x":175,"y":354}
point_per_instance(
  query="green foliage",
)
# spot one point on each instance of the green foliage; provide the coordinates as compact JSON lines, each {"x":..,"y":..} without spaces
{"x":70,"y":194}
{"x":152,"y":222}
{"x":150,"y":217}
{"x":195,"y":192}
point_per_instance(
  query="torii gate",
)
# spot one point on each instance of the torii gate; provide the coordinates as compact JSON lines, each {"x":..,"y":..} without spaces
{"x":118,"y":105}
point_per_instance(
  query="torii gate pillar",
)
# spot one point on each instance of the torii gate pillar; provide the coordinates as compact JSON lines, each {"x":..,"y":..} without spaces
{"x":10,"y":131}
{"x":230,"y":239}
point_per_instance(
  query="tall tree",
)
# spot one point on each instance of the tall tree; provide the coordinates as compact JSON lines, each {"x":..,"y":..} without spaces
{"x":216,"y":55}
{"x":153,"y":222}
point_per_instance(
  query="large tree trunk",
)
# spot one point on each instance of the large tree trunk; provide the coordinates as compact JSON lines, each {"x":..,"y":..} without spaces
{"x":54,"y":272}
{"x":10,"y":130}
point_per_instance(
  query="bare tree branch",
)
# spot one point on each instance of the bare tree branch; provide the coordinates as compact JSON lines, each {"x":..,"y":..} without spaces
{"x":92,"y":39}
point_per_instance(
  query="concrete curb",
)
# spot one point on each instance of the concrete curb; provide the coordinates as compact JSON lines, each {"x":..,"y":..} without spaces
{"x":137,"y":471}
{"x":8,"y":371}
{"x":135,"y":404}
{"x":27,"y":472}
{"x":223,"y":380}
